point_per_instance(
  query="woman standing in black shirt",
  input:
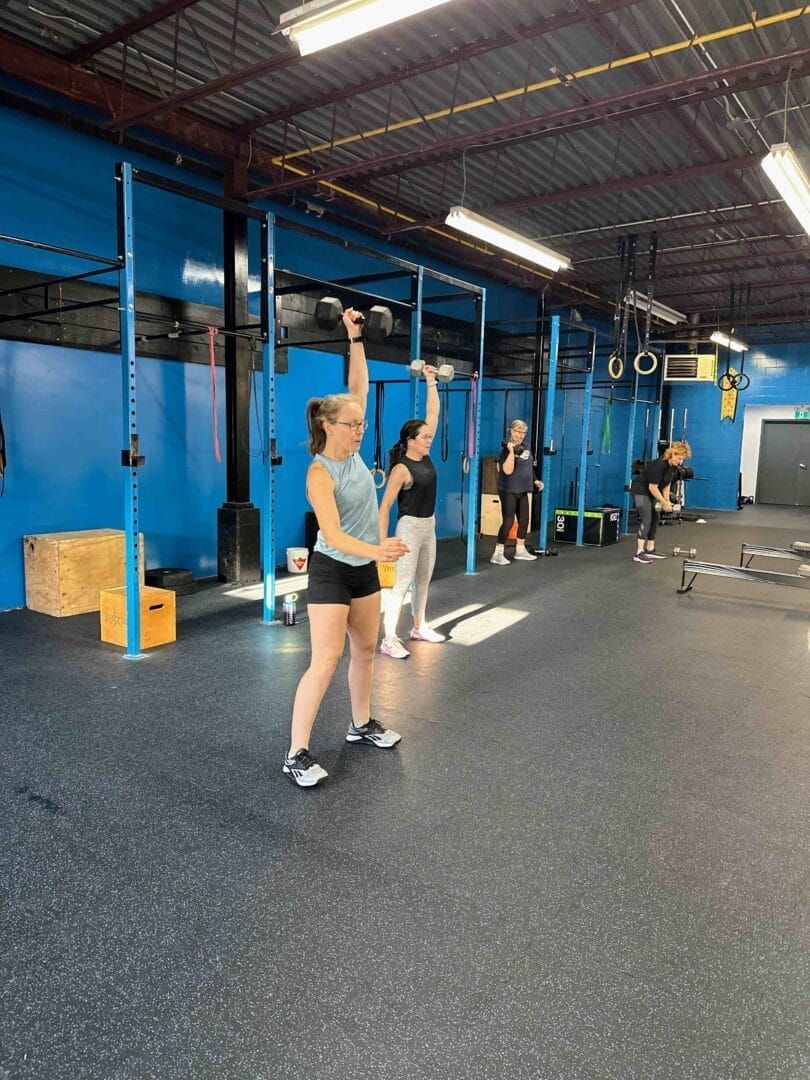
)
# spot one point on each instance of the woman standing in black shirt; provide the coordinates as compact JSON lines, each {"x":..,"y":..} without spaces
{"x":412,"y":482}
{"x":516,"y":478}
{"x":650,"y":489}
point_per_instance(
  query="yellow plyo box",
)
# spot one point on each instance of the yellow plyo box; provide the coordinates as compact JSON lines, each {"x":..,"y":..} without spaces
{"x":158,"y":617}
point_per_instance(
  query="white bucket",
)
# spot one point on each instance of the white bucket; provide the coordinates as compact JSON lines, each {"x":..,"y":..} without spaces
{"x":297,"y":559}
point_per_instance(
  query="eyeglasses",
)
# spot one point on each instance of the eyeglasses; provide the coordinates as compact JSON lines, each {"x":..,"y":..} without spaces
{"x":352,"y":425}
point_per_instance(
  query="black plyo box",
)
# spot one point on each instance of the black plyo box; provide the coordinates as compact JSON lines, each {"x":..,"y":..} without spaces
{"x":602,"y":525}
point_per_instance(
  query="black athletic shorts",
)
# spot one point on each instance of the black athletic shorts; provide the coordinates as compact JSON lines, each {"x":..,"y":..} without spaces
{"x":335,"y":582}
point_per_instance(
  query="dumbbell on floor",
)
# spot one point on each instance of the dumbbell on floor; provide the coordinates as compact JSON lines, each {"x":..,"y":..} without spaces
{"x":687,"y":553}
{"x":378,"y":323}
{"x":444,"y":373}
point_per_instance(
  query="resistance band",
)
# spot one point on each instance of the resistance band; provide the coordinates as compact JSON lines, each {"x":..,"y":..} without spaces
{"x":212,"y":361}
{"x":378,"y":472}
{"x":445,"y":430}
{"x":605,"y":446}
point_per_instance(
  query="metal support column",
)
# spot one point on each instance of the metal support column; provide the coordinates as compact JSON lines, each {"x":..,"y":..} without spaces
{"x":548,"y":430}
{"x":238,"y":556}
{"x":417,"y":294}
{"x":585,"y":447}
{"x":628,"y":464}
{"x":269,"y":450}
{"x":129,"y":457}
{"x":476,"y":388}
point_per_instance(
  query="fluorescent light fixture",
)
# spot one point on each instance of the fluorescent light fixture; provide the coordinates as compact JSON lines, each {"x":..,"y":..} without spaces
{"x":660,"y":311}
{"x":492,"y":233}
{"x":318,"y":24}
{"x":732,"y":343}
{"x":789,"y":178}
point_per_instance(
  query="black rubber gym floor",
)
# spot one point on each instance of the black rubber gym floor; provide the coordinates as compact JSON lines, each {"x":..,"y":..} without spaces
{"x":588,"y":858}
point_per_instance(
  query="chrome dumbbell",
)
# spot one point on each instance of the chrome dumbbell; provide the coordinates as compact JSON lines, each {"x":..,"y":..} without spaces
{"x":444,"y":373}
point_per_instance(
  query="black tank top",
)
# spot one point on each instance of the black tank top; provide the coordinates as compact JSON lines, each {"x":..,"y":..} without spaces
{"x":419,"y":500}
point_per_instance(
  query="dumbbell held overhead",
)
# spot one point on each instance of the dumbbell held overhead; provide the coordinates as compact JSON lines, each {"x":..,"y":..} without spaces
{"x":444,"y":372}
{"x":377,"y":324}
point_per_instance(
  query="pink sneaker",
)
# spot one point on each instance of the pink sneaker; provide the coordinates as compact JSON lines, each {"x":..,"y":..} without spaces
{"x":394,"y":648}
{"x":427,"y":633}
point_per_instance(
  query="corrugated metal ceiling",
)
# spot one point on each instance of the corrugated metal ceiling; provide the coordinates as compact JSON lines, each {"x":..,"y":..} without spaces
{"x":210,"y":40}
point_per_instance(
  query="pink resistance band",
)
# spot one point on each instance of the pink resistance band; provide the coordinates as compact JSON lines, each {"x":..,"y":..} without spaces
{"x":212,"y":332}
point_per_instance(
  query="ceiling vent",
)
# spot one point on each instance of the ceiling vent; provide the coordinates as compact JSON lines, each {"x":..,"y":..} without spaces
{"x":690,"y":367}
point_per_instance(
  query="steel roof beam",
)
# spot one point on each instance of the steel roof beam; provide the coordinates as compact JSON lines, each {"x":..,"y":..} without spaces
{"x":609,"y":187}
{"x":653,"y":98}
{"x":478,"y":47}
{"x":123,"y":33}
{"x":707,"y":290}
{"x":264,"y":67}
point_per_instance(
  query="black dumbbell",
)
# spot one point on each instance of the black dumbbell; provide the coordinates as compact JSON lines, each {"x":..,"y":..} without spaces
{"x":687,"y":553}
{"x":378,"y":323}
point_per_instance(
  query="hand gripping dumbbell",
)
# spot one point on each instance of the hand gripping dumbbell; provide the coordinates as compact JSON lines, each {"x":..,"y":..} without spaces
{"x":378,"y":323}
{"x":444,"y":373}
{"x":687,"y":553}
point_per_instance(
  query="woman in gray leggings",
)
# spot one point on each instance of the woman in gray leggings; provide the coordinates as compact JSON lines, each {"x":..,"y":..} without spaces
{"x":412,"y":482}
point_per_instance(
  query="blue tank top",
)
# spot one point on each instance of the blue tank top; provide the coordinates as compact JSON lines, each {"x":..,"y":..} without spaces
{"x":356,"y":500}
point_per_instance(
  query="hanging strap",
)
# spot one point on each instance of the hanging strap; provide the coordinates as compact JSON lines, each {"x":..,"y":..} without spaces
{"x":378,"y":472}
{"x":445,"y":421}
{"x":212,"y":362}
{"x":650,"y":287}
{"x":621,"y":255}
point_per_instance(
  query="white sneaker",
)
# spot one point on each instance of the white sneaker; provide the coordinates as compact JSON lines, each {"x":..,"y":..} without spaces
{"x":303,"y":769}
{"x":524,"y":555}
{"x":394,"y":648}
{"x":499,"y":560}
{"x":373,"y":734}
{"x":426,"y":633}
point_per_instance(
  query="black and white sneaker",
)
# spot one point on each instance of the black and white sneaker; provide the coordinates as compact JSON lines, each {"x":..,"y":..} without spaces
{"x":654,"y":555}
{"x":373,"y":734}
{"x":303,"y":769}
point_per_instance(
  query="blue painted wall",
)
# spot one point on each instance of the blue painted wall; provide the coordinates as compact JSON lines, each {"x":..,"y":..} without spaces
{"x":61,"y":407}
{"x":780,"y":375}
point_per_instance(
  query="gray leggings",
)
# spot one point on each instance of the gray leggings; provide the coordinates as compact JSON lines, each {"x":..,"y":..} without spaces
{"x":648,"y":517}
{"x":416,"y":567}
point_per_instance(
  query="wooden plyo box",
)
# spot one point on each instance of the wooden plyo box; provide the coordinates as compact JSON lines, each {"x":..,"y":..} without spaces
{"x":65,"y":572}
{"x":158,"y":617}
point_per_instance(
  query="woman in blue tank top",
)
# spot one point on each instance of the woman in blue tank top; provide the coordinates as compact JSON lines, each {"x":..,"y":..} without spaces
{"x":343,"y":596}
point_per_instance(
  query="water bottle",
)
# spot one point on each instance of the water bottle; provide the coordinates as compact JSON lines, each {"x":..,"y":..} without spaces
{"x":289,"y":609}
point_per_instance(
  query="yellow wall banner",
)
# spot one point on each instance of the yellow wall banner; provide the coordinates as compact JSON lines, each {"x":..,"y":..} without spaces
{"x":728,"y":400}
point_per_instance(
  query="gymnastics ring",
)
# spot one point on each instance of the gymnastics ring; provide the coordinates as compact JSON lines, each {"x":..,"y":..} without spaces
{"x":743,"y":385}
{"x":728,"y":382}
{"x":378,"y":474}
{"x":465,"y":465}
{"x":637,"y":363}
{"x":615,"y":366}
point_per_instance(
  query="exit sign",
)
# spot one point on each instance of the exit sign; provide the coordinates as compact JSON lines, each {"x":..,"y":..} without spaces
{"x":802,"y":413}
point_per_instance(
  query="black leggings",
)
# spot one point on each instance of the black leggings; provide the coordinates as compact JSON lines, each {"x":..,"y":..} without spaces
{"x":514,"y":504}
{"x":648,"y":517}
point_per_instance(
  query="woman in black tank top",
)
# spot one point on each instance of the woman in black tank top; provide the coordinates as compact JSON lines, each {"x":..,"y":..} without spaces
{"x":412,"y":483}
